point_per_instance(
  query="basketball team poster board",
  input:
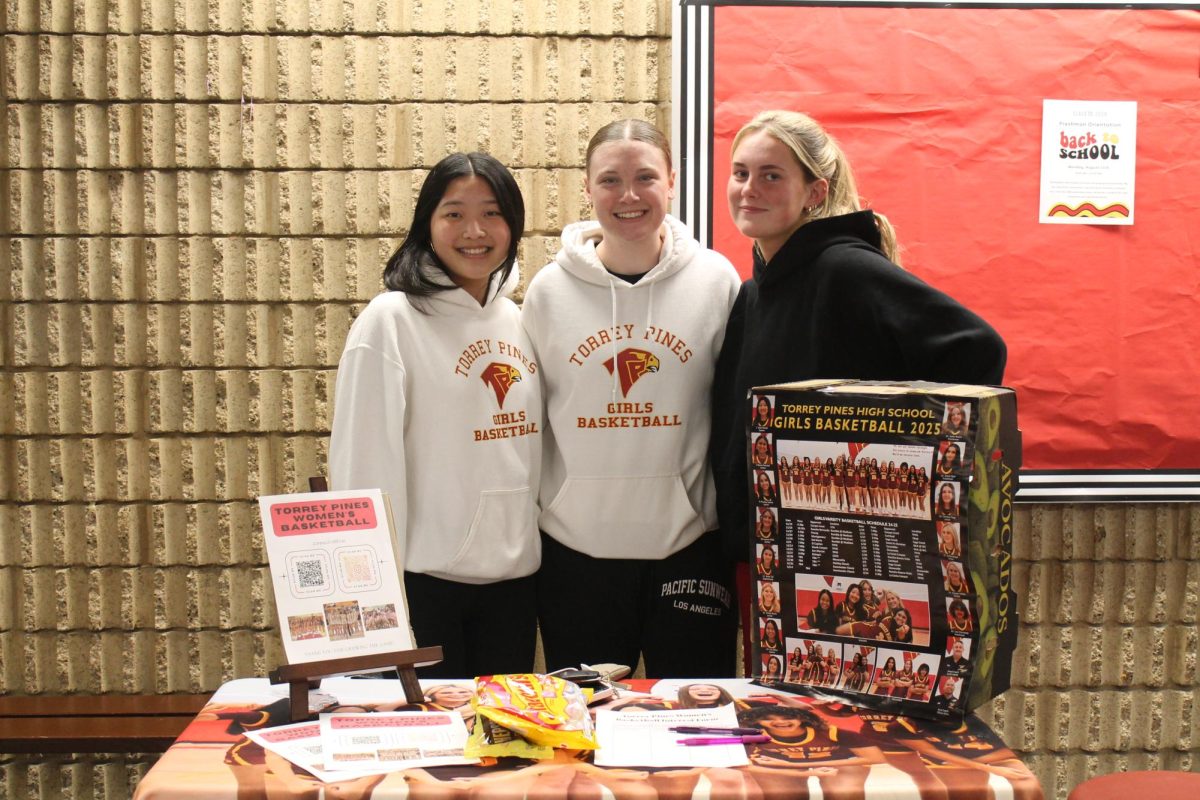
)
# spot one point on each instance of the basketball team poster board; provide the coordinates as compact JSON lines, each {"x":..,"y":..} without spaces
{"x":337,"y":585}
{"x":940,"y":111}
{"x":882,"y":542}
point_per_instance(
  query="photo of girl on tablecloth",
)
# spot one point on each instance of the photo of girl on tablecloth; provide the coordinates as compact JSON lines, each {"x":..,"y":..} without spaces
{"x":874,"y":479}
{"x":899,"y":611}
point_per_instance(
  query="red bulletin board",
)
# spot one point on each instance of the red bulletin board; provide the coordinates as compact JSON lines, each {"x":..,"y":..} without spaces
{"x":939,"y":111}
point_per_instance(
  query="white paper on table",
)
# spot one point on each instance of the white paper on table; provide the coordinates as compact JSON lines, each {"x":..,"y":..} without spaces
{"x":643,"y":738}
{"x":393,"y":740}
{"x":301,"y":744}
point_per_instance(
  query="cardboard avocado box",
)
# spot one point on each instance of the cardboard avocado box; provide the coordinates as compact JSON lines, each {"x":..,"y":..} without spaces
{"x":881,"y":544}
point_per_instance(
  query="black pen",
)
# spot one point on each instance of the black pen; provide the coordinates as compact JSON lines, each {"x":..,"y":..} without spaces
{"x":720,"y":731}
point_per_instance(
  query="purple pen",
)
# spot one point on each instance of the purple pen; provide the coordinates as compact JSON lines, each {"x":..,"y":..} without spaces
{"x":716,"y":731}
{"x":762,"y":737}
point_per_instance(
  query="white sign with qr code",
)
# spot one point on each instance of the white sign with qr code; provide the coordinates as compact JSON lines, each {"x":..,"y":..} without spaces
{"x":334,"y":571}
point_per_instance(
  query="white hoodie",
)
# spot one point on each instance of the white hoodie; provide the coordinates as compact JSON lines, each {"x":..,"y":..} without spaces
{"x":626,"y":470}
{"x":443,"y":411}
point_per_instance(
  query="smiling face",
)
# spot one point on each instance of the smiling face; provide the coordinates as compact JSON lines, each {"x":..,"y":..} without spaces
{"x":768,"y":557}
{"x":630,"y":185}
{"x":469,"y":234}
{"x":781,"y":726}
{"x":825,"y":600}
{"x":450,"y":696}
{"x":764,"y":483}
{"x":853,"y":595}
{"x":768,"y":594}
{"x":946,"y":495}
{"x":764,"y":408}
{"x":704,"y":692}
{"x":768,"y":191}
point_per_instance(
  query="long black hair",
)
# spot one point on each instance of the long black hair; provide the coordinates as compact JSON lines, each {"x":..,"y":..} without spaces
{"x":406,"y":269}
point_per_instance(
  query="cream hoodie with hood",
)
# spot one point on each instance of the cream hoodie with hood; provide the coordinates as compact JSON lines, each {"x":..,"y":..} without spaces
{"x":443,"y":411}
{"x":627,"y":371}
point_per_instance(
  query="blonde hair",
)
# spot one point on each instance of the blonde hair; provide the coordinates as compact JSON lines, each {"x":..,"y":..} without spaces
{"x":637,"y":130}
{"x":820,"y":156}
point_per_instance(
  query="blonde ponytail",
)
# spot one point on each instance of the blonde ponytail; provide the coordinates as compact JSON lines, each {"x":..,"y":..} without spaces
{"x":820,"y":156}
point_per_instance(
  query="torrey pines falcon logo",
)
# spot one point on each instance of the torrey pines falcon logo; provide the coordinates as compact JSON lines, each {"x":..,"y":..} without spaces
{"x":500,"y":377}
{"x":631,"y":365}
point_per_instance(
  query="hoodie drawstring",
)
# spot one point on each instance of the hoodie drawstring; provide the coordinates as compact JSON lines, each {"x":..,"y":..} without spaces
{"x":612,"y":335}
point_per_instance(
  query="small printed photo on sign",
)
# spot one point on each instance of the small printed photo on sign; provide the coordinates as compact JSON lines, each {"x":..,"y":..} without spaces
{"x":903,"y":674}
{"x":306,"y":626}
{"x":767,"y":526}
{"x":764,"y":487}
{"x":762,"y":453}
{"x":344,"y":620}
{"x":857,"y":665}
{"x":772,"y":667}
{"x":949,"y":540}
{"x":378,"y":618}
{"x":958,"y":613}
{"x":863,"y":609}
{"x":949,"y":694}
{"x":946,"y":503}
{"x":768,"y":560}
{"x":956,"y":419}
{"x":954,"y":578}
{"x":870,"y":478}
{"x":764,"y":412}
{"x":950,"y":459}
{"x":813,"y":662}
{"x":768,"y":597}
{"x":958,"y":654}
{"x":769,"y":637}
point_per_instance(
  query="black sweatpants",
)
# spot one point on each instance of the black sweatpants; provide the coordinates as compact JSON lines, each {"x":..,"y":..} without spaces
{"x":483,"y":628}
{"x":677,"y":612}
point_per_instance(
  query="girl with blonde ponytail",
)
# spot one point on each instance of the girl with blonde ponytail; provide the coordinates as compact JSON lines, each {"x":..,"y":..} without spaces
{"x":827,"y":298}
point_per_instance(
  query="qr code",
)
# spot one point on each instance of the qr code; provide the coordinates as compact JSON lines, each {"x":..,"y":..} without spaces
{"x":309,"y":574}
{"x":364,"y":740}
{"x":358,"y":568}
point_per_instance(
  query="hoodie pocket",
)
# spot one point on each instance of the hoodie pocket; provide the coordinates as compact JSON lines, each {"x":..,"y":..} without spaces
{"x":502,"y":541}
{"x":623,"y":517}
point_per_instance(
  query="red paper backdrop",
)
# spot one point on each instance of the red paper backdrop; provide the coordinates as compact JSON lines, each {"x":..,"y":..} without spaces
{"x":939,"y":111}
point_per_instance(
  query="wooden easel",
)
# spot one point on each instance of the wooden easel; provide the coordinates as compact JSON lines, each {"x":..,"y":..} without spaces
{"x":308,"y":675}
{"x":303,"y":677}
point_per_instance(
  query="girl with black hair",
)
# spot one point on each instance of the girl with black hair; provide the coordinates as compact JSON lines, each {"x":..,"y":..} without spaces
{"x":428,"y":365}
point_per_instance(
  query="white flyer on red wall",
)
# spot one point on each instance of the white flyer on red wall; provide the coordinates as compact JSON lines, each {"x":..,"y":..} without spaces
{"x":1088,"y":162}
{"x":333,"y":566}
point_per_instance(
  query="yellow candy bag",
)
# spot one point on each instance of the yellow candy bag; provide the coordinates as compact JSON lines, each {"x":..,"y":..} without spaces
{"x":529,"y":716}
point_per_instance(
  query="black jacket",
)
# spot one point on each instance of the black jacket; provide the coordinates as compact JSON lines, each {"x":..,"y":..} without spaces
{"x":831,"y":305}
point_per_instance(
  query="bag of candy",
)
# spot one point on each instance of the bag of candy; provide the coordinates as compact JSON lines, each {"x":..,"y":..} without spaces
{"x":529,"y":716}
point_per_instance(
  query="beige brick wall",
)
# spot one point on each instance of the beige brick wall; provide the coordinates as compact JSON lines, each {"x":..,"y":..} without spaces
{"x":195,"y":200}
